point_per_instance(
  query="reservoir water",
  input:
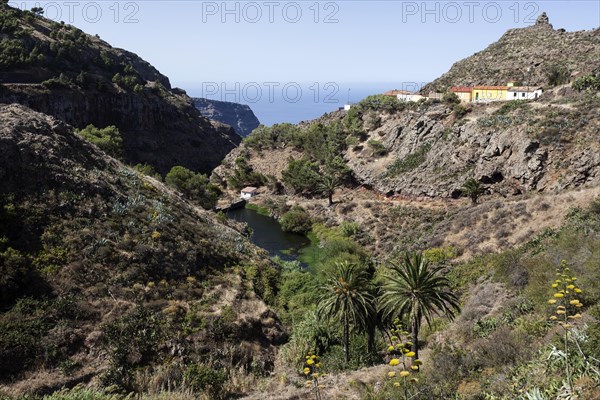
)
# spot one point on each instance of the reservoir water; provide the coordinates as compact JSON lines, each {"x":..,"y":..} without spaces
{"x":267,"y":233}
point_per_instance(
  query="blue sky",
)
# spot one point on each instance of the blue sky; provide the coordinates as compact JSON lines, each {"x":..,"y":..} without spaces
{"x":372,"y":43}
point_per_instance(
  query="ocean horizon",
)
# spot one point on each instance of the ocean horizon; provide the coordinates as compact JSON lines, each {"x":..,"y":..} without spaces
{"x":275,"y":103}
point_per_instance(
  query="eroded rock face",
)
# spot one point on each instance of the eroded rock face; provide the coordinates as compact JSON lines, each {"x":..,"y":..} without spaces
{"x":81,"y":80}
{"x":507,"y":158}
{"x":239,"y":116}
{"x":161,"y":131}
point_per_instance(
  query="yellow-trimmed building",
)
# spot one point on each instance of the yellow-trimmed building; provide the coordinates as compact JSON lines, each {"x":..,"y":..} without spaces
{"x":463,"y":93}
{"x":485,"y":94}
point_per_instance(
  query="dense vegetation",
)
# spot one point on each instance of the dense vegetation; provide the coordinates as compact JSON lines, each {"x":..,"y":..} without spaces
{"x":107,"y":139}
{"x":194,"y":186}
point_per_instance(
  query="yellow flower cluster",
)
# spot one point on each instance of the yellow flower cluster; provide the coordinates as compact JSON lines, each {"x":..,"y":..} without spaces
{"x":402,"y":356}
{"x":312,"y":367}
{"x":565,"y":297}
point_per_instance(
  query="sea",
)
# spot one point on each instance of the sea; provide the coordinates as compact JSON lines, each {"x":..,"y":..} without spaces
{"x":280,"y":102}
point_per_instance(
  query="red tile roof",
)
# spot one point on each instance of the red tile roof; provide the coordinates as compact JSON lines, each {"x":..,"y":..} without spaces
{"x":461,"y":89}
{"x":490,"y":87}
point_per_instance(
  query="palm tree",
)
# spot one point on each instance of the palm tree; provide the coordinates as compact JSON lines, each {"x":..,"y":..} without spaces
{"x":327,"y":186}
{"x":472,"y":189}
{"x":347,"y":299}
{"x":415,"y":289}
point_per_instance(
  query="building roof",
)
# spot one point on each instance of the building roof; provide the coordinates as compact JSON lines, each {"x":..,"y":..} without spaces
{"x":490,"y":87}
{"x":249,"y":189}
{"x":461,"y":89}
{"x":396,"y":92}
{"x":524,"y":88}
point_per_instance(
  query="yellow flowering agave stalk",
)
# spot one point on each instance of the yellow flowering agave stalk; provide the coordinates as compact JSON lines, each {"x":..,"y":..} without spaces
{"x":402,"y":358}
{"x":566,"y":299}
{"x":312,"y":372}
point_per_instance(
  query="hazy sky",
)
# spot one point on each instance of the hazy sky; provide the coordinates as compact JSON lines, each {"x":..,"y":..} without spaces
{"x":369,"y":46}
{"x":306,"y":41}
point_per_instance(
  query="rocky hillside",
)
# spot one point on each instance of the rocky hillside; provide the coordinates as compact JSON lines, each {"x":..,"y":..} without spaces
{"x":239,"y":116}
{"x":430,"y":150}
{"x":108,"y":276}
{"x":536,"y":55}
{"x":57,"y":69}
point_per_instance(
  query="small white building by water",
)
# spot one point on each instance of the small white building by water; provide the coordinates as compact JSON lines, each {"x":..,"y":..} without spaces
{"x":248,"y":192}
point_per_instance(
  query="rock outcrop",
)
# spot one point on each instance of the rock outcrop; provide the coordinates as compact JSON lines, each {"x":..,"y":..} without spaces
{"x":239,"y":116}
{"x":530,"y":55}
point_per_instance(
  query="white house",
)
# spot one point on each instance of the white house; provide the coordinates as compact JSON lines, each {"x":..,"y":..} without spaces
{"x":347,"y":107}
{"x":523,"y":92}
{"x":248,"y":192}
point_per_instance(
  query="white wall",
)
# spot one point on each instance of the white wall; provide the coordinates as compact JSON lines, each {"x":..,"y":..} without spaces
{"x":523,"y":95}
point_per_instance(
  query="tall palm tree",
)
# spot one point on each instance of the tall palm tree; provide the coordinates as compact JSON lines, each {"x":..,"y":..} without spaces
{"x":347,"y":299}
{"x":417,"y":290}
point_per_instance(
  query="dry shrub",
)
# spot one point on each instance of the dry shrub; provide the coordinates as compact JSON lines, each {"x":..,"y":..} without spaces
{"x":503,"y":347}
{"x":469,"y":390}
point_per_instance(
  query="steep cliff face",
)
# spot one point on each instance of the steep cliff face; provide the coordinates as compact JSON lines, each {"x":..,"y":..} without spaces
{"x":239,"y":116}
{"x":162,"y":129}
{"x":528,"y":55}
{"x":102,"y":269}
{"x":59,"y":70}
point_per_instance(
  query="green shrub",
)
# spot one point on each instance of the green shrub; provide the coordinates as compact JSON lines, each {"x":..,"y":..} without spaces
{"x":131,"y":341}
{"x":265,"y":137}
{"x":438,"y":255}
{"x":410,"y":162}
{"x":297,"y":220}
{"x":205,"y":378}
{"x":511,"y":106}
{"x":485,"y":326}
{"x":147,"y":169}
{"x":107,"y":139}
{"x":349,"y":228}
{"x":194,"y":185}
{"x":265,"y":281}
{"x":296,"y":290}
{"x":380,"y":102}
{"x":450,"y":98}
{"x":588,"y":82}
{"x":302,"y":175}
{"x":244,"y":175}
{"x":378,"y":148}
{"x":557,"y":74}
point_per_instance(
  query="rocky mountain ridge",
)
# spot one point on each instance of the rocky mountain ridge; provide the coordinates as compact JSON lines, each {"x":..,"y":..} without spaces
{"x":239,"y":116}
{"x":57,"y":69}
{"x":537,"y":55}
